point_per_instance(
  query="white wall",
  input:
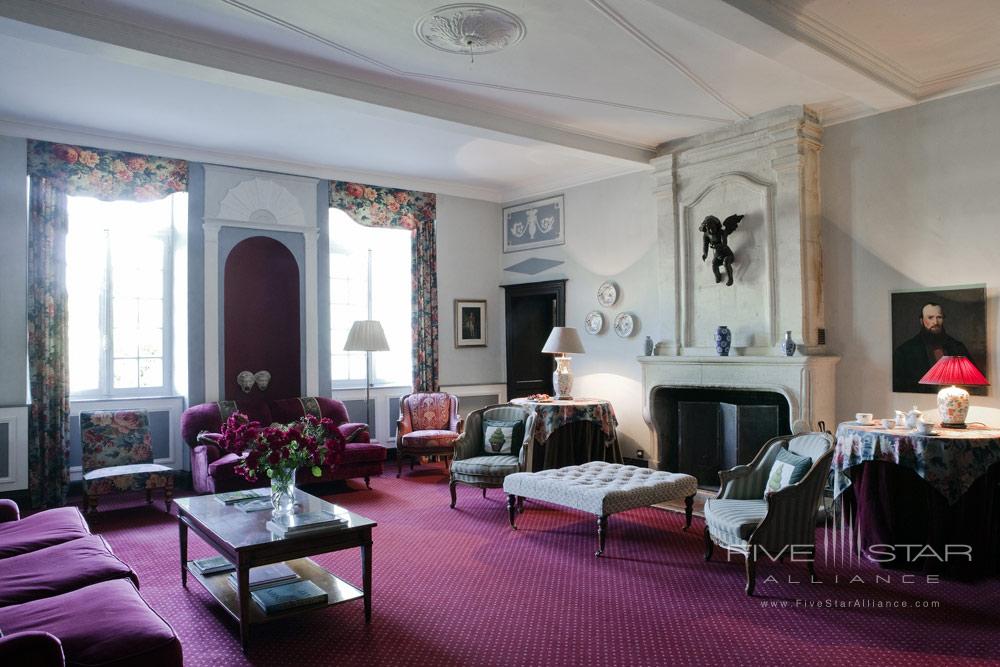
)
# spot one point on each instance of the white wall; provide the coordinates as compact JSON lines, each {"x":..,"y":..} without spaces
{"x":13,"y":271}
{"x":610,"y":234}
{"x":911,"y":199}
{"x":468,"y":243}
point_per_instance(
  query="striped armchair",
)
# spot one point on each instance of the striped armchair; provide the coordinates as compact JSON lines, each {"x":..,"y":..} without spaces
{"x":476,"y":463}
{"x":783,"y":523}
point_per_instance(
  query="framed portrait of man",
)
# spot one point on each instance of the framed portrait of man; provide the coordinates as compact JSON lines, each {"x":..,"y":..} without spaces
{"x":470,"y":323}
{"x":928,"y":324}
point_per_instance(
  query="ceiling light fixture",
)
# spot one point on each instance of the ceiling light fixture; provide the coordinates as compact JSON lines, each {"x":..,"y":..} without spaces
{"x":471,"y":29}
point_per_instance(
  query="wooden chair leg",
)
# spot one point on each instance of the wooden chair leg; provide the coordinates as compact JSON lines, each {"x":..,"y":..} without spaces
{"x":688,"y":511}
{"x":602,"y":533}
{"x":709,"y":544}
{"x":811,"y":563}
{"x":149,"y":496}
{"x":511,"y":510}
{"x":451,"y":489}
{"x":484,"y":492}
{"x":368,"y":482}
{"x":399,"y":464}
{"x":751,"y":570}
{"x":91,"y":504}
{"x":168,"y":495}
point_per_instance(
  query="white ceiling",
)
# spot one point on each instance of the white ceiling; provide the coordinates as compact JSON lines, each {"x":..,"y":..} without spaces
{"x":344,"y":89}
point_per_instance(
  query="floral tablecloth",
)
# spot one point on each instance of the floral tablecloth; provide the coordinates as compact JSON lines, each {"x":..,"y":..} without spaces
{"x":551,"y":415}
{"x":949,"y":461}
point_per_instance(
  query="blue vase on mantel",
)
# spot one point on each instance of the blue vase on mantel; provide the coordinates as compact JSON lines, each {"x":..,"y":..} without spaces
{"x":787,"y":345}
{"x":723,"y":341}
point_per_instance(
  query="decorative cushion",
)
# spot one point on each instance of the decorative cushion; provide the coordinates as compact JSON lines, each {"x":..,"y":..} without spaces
{"x":788,"y":469}
{"x":41,"y":530}
{"x":351,"y":432}
{"x":429,"y":411}
{"x":733,"y":521}
{"x":429,"y":440}
{"x":500,"y":437}
{"x":493,"y":465}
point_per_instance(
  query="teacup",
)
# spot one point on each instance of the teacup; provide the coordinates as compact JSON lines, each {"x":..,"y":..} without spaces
{"x":864,"y":418}
{"x":888,"y":423}
{"x":924,"y":428}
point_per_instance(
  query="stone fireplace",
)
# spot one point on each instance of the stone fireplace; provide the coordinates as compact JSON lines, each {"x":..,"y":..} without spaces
{"x":766,"y":169}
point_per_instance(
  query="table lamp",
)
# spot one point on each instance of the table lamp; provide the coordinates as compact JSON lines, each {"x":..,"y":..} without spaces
{"x":563,"y":341}
{"x":366,"y":336}
{"x":953,"y":401}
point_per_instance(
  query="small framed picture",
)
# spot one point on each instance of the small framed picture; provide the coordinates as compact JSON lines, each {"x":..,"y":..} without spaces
{"x":470,"y":323}
{"x":535,"y":224}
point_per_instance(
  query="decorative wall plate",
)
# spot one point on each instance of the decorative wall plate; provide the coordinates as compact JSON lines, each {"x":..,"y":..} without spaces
{"x":594,"y":322}
{"x":607,"y":294}
{"x":624,"y":324}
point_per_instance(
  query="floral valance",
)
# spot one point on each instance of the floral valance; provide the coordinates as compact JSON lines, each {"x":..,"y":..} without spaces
{"x":107,"y":175}
{"x":383,"y":207}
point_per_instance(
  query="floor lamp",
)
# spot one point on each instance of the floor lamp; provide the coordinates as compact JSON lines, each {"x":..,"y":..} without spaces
{"x":367,"y":336}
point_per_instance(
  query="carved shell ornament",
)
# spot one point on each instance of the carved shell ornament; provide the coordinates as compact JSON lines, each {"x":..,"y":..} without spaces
{"x":469,"y":29}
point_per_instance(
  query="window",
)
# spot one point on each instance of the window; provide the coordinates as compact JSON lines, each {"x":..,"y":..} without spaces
{"x":369,"y":279}
{"x":118,"y":275}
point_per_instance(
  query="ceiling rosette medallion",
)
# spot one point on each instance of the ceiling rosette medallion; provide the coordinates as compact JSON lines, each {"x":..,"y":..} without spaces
{"x":469,"y":29}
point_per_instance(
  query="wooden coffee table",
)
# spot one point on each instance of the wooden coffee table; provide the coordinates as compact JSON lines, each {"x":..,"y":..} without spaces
{"x":244,"y":540}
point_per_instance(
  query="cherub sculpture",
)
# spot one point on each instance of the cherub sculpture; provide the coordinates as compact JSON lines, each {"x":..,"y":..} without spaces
{"x":714,"y":236}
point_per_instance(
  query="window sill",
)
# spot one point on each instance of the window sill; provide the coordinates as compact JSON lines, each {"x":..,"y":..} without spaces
{"x":124,"y":399}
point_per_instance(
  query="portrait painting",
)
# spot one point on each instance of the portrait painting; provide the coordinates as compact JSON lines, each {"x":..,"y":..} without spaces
{"x":470,"y":323}
{"x":535,"y":224}
{"x":930,"y":323}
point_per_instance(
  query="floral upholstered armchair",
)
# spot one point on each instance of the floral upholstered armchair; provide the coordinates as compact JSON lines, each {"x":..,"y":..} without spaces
{"x":118,"y":457}
{"x":428,"y":425}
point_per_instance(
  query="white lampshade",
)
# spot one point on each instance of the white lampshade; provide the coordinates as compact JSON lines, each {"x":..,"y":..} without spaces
{"x":563,"y":340}
{"x":366,"y":336}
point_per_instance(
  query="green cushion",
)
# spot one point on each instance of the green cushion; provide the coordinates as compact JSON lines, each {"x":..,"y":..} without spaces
{"x":502,"y":437}
{"x":788,"y":469}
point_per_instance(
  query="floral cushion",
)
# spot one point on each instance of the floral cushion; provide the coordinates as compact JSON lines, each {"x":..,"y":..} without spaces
{"x":430,"y":440}
{"x":115,"y":438}
{"x":128,"y":478}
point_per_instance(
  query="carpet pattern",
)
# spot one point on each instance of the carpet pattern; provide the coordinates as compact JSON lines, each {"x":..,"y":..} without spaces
{"x":458,"y":587}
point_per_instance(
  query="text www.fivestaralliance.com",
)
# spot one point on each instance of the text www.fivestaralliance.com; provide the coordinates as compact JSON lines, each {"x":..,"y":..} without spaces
{"x":857,"y":603}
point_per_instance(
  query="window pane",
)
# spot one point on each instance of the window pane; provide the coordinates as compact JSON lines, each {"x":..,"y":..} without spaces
{"x":126,"y":312}
{"x":126,"y":342}
{"x":126,"y":373}
{"x":151,"y":342}
{"x":150,"y":372}
{"x":151,"y":313}
{"x":85,"y":268}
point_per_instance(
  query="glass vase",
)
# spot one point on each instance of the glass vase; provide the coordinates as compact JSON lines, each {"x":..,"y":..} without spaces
{"x":283,"y":492}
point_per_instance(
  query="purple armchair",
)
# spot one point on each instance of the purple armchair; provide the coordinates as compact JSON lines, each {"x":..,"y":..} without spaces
{"x":212,"y":469}
{"x":428,"y":425}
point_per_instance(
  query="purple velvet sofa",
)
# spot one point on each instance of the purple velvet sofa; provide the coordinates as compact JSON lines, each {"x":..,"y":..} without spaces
{"x":212,"y":469}
{"x":66,"y":599}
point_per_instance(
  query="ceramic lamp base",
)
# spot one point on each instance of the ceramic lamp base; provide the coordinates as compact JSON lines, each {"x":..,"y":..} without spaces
{"x":953,"y":407}
{"x":562,"y":379}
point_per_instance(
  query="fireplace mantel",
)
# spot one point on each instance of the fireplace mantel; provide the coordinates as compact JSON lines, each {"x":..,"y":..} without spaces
{"x":807,"y":382}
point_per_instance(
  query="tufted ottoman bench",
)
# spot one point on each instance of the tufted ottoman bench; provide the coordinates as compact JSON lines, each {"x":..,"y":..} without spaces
{"x":601,"y":489}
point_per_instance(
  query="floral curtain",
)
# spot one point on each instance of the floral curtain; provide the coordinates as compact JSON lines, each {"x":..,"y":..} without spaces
{"x":58,"y":170}
{"x":416,"y":211}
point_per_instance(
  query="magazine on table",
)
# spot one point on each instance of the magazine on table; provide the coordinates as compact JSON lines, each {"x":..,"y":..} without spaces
{"x":255,"y":505}
{"x":289,"y":596}
{"x":265,"y":576}
{"x":212,"y":565}
{"x":294,"y":524}
{"x":232,"y":497}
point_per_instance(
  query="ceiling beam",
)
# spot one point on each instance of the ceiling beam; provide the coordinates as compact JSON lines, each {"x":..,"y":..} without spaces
{"x":76,"y":20}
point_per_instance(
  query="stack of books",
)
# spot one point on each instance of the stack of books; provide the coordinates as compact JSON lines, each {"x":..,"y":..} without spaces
{"x":289,"y":596}
{"x":233,"y":497}
{"x":212,"y":565}
{"x":266,"y":576}
{"x":289,"y":525}
{"x":255,"y":505}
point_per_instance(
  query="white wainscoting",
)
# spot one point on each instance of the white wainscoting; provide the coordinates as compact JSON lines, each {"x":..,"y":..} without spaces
{"x":15,"y":420}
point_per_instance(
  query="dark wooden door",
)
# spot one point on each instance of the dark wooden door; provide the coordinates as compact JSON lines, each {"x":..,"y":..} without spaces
{"x":532,"y":309}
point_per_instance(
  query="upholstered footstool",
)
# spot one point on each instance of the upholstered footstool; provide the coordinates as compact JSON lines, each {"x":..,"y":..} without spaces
{"x":601,"y":489}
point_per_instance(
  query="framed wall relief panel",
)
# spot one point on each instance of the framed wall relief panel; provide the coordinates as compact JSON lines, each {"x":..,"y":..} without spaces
{"x":470,"y":323}
{"x":534,"y":224}
{"x":932,"y":322}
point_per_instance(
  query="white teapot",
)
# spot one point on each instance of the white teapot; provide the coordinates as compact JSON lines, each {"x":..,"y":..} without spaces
{"x":912,"y":417}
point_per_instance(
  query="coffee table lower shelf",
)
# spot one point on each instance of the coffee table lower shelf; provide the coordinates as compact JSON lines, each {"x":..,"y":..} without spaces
{"x":338,"y":590}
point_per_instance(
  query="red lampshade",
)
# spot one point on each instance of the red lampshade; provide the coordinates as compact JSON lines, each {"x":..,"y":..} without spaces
{"x":954,"y":370}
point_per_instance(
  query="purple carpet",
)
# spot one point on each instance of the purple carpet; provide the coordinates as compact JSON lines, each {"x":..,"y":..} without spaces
{"x":458,"y":587}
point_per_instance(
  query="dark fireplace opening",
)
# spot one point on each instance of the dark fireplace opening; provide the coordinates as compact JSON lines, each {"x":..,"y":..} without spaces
{"x":700,"y":431}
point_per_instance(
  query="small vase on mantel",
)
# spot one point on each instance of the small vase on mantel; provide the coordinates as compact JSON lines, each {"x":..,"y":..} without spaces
{"x":787,"y":345}
{"x":723,"y":340}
